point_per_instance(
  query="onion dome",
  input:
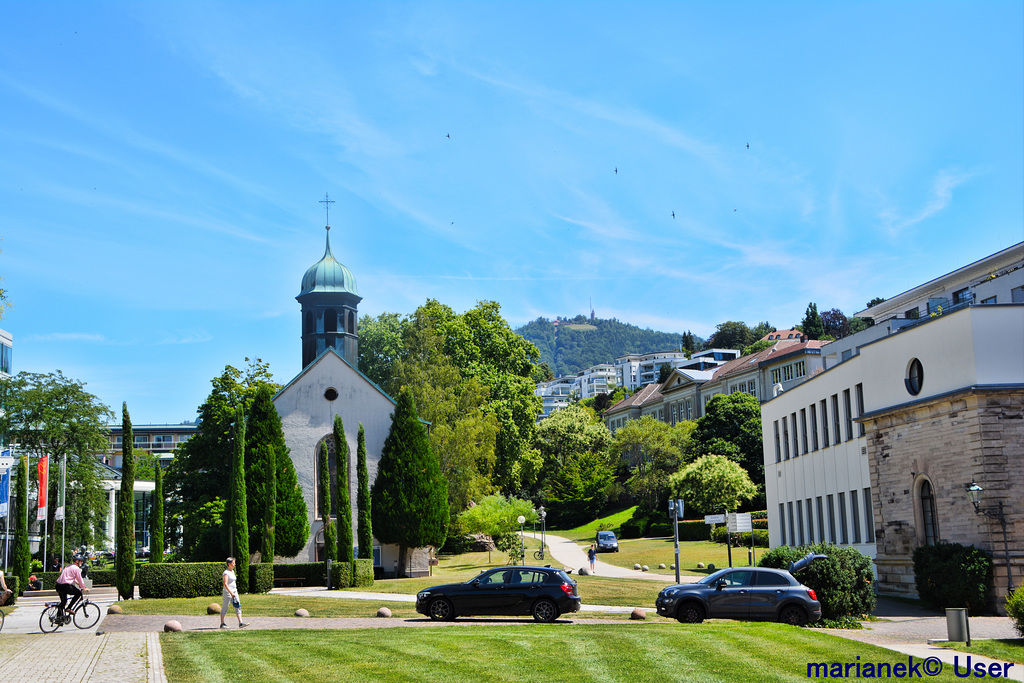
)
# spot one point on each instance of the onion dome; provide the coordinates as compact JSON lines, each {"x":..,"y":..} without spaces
{"x":327,"y":275}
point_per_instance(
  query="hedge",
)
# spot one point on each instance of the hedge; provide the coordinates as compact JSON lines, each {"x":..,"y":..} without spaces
{"x":953,"y":575}
{"x":719,"y":535}
{"x":694,"y":530}
{"x":341,"y":575}
{"x":842,"y":581}
{"x":185,"y":580}
{"x":1015,"y":610}
{"x":634,"y":527}
{"x":261,"y":577}
{"x":312,"y":573}
{"x":363,"y":575}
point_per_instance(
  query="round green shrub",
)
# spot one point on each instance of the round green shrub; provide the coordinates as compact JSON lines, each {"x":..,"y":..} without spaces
{"x":842,"y":581}
{"x":953,"y":575}
{"x":1015,"y":609}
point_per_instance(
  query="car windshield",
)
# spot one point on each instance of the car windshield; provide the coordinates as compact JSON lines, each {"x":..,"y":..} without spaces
{"x":605,"y":536}
{"x":711,"y":578}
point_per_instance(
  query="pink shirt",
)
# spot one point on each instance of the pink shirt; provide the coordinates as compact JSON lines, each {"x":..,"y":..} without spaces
{"x":72,"y":574}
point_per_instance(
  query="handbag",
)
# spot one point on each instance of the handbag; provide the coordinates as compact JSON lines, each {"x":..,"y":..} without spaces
{"x":235,"y":603}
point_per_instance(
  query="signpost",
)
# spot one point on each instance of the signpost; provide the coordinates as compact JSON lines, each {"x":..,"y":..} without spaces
{"x":735,"y":523}
{"x":675,"y":513}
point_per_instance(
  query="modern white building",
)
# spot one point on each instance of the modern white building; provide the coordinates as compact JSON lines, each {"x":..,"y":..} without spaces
{"x":6,"y":353}
{"x":877,"y":450}
{"x":555,"y":394}
{"x":598,"y":379}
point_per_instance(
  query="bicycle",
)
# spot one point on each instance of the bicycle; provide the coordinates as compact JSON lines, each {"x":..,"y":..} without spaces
{"x":538,"y":554}
{"x":85,"y":615}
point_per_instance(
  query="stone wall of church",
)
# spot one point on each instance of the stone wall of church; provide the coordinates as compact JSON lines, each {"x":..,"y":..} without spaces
{"x":949,"y":441}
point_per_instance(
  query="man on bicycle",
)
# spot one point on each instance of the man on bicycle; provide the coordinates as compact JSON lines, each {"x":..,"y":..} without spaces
{"x":71,"y":575}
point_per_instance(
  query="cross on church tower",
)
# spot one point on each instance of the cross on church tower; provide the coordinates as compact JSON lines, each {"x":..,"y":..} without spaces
{"x":327,"y":201}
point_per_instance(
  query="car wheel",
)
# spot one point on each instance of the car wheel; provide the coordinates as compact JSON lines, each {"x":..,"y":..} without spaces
{"x":793,"y":615}
{"x":441,"y":610}
{"x":545,"y":611}
{"x":690,"y":613}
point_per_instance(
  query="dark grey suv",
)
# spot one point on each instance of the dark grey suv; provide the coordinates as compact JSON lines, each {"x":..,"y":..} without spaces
{"x":753,"y":593}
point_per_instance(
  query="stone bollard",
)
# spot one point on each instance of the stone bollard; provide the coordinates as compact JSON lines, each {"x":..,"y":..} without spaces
{"x":213,"y":608}
{"x":645,"y":568}
{"x":172,"y":626}
{"x":700,"y":565}
{"x":114,"y":609}
{"x":711,"y":566}
{"x":636,"y":567}
{"x":583,"y":572}
{"x":301,"y":612}
{"x":662,"y":566}
{"x":384,"y":613}
{"x":637,"y":614}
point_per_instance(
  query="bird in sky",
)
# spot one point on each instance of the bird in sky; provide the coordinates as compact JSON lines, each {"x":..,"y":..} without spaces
{"x":449,"y":136}
{"x":748,"y":145}
{"x":673,"y":214}
{"x":616,"y":170}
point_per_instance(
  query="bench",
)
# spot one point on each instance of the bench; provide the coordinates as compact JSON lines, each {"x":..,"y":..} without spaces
{"x":297,"y":582}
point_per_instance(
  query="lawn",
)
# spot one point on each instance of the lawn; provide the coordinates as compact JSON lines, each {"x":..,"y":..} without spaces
{"x":1008,"y":650}
{"x":586,"y":533}
{"x":659,"y":651}
{"x":274,"y":605}
{"x":655,"y":551}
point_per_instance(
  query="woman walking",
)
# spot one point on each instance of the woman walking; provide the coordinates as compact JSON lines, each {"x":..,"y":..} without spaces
{"x":230,"y":595}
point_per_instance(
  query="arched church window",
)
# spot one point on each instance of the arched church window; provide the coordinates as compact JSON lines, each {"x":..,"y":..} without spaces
{"x":330,"y":320}
{"x":929,"y":521}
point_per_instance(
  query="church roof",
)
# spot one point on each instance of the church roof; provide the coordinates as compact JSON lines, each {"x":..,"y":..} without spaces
{"x":328,"y":275}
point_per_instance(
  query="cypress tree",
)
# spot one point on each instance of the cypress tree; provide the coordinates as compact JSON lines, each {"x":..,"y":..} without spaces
{"x":410,"y":495}
{"x":22,"y":554}
{"x":344,"y":497}
{"x":125,"y":535}
{"x":156,"y":522}
{"x":291,"y":525}
{"x":239,"y":527}
{"x":270,"y":512}
{"x":363,"y":498}
{"x":330,"y":536}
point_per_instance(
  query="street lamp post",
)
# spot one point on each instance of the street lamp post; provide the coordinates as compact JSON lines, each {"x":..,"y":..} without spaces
{"x":522,"y":541}
{"x":993,"y":512}
{"x":543,"y":535}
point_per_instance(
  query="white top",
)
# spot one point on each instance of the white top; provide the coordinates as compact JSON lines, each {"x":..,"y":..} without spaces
{"x":232,"y":586}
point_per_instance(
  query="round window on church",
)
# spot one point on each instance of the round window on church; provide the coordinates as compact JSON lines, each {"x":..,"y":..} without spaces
{"x":331,"y":393}
{"x":915,"y":377}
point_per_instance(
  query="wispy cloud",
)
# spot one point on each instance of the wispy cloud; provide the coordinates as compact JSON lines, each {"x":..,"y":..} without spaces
{"x":894,"y":222}
{"x":195,"y":336}
{"x":66,"y":337}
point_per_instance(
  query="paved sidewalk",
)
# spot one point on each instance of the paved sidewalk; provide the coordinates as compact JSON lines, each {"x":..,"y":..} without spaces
{"x":71,"y":657}
{"x":574,"y":557}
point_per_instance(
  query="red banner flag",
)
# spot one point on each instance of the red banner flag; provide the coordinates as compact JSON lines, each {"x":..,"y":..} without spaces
{"x":43,"y":488}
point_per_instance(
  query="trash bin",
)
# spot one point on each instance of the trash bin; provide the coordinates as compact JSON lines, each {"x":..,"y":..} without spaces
{"x":957,"y":628}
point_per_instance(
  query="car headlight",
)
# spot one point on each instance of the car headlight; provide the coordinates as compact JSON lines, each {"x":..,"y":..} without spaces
{"x":669,"y":593}
{"x":421,"y":596}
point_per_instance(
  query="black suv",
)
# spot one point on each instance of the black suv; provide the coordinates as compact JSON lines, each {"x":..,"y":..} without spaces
{"x":511,"y":591}
{"x":755,"y":593}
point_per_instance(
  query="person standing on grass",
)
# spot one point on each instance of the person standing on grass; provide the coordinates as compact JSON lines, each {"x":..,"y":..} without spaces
{"x":230,"y":595}
{"x":592,"y":556}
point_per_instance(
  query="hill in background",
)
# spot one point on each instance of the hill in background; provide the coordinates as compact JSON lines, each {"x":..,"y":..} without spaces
{"x":581,"y":342}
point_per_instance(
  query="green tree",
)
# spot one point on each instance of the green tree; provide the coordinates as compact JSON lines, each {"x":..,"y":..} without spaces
{"x":22,"y":553}
{"x":343,"y":486}
{"x":579,"y":488}
{"x":650,"y":450}
{"x":874,"y":302}
{"x":156,"y":519}
{"x":689,"y":343}
{"x":712,"y":484}
{"x":761,"y":330}
{"x":324,"y":481}
{"x":238,"y":524}
{"x":812,"y":324}
{"x":202,"y":464}
{"x":409,"y":498}
{"x":268,"y":466}
{"x":759,"y":345}
{"x":571,"y":431}
{"x":497,"y":516}
{"x":731,"y":335}
{"x":363,"y":498}
{"x":541,"y":373}
{"x":664,"y":372}
{"x":835,"y":324}
{"x":380,"y":345}
{"x":124,"y":554}
{"x":52,"y":415}
{"x":732,"y":423}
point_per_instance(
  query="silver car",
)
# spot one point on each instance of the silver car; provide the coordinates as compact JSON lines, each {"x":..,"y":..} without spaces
{"x":749,"y":593}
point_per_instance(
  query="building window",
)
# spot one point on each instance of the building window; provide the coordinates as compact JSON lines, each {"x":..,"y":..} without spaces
{"x":821,"y":521}
{"x":752,"y":388}
{"x":835,"y":419}
{"x":661,"y":414}
{"x":912,"y":314}
{"x":831,"y":520}
{"x":787,"y":373}
{"x":776,"y":376}
{"x":814,"y":427}
{"x":915,"y":377}
{"x":163,"y":441}
{"x":689,"y":409}
{"x":929,"y":521}
{"x":1017,"y":295}
{"x":785,"y":438}
{"x":782,"y":524}
{"x":810,"y":520}
{"x":5,"y":359}
{"x":990,"y":300}
{"x":848,"y":414}
{"x":855,"y":514}
{"x":800,"y":521}
{"x":961,"y":296}
{"x":860,"y":408}
{"x":869,"y":519}
{"x":140,"y":441}
{"x":799,"y":368}
{"x":803,"y":430}
{"x":796,"y":443}
{"x":778,"y":447}
{"x":844,"y":536}
{"x":824,"y":424}
{"x":792,"y":529}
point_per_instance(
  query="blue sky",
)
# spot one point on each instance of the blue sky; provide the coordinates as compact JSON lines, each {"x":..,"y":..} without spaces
{"x":161,"y":166}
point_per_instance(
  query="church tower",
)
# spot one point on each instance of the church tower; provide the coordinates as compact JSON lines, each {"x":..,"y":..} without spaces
{"x":329,"y":301}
